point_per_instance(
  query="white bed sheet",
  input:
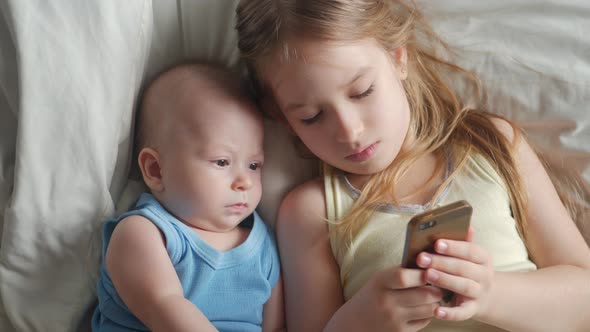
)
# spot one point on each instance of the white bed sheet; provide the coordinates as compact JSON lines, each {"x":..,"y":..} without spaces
{"x":70,"y":73}
{"x":79,"y":66}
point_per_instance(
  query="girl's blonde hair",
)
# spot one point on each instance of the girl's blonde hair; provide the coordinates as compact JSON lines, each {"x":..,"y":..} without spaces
{"x":441,"y":122}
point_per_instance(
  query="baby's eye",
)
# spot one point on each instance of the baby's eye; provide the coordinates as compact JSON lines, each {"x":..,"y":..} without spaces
{"x":222,"y":162}
{"x":255,"y":166}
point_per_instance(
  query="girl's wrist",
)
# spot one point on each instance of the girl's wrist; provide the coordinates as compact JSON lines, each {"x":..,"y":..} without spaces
{"x":487,"y":306}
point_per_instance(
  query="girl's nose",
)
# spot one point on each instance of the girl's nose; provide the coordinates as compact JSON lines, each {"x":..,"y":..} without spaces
{"x":350,"y":126}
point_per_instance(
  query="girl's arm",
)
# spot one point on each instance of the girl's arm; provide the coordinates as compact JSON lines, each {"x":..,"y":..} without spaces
{"x":273,"y":315}
{"x":393,"y":300}
{"x":144,"y":277}
{"x":310,"y":273}
{"x":556,"y":297}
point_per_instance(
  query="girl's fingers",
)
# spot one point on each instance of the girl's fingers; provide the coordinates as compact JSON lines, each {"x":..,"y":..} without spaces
{"x":462,"y":249}
{"x":450,"y":265}
{"x":456,"y":284}
{"x":425,"y":311}
{"x":395,"y":278}
{"x":463,"y":312}
{"x":414,"y":297}
{"x":470,"y":234}
{"x":418,"y":325}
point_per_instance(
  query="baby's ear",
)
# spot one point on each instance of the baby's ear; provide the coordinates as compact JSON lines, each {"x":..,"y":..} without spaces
{"x":149,"y":164}
{"x":400,"y":58}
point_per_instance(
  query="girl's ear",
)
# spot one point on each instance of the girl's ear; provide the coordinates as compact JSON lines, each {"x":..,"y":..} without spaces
{"x":149,"y":164}
{"x":400,"y":57}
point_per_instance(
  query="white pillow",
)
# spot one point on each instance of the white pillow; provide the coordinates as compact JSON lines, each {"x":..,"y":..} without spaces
{"x":533,"y":58}
{"x":79,"y":67}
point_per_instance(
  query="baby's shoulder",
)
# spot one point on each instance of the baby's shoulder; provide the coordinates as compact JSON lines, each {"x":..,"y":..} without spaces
{"x":135,"y":224}
{"x":135,"y":235}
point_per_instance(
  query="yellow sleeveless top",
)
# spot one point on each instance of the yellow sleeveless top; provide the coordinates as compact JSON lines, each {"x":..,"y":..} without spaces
{"x":380,"y":243}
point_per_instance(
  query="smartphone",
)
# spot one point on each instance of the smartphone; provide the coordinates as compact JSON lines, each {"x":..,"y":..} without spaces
{"x":446,"y":222}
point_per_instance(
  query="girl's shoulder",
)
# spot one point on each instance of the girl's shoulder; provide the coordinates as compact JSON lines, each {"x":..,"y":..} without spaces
{"x":303,"y":207}
{"x":308,"y":195}
{"x":506,"y":128}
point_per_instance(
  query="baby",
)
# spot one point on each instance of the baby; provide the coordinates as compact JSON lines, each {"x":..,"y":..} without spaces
{"x":193,"y":255}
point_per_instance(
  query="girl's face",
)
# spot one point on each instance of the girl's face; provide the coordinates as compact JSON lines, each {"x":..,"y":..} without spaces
{"x":345,"y":101}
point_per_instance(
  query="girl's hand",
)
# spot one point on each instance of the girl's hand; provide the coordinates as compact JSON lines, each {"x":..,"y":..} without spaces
{"x":395,"y":299}
{"x":465,"y":269}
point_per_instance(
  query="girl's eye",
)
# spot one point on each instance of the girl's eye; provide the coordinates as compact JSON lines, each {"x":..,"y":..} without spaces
{"x":313,"y":119}
{"x":222,"y":162}
{"x":255,"y":166}
{"x":364,"y":94}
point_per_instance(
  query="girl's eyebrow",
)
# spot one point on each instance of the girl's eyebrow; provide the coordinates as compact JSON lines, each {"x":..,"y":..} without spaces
{"x":293,"y":107}
{"x":360,"y":73}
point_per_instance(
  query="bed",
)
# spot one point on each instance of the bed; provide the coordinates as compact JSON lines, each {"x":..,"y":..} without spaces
{"x":70,"y":73}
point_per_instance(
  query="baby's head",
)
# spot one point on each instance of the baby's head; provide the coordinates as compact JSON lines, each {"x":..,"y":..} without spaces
{"x":200,"y":143}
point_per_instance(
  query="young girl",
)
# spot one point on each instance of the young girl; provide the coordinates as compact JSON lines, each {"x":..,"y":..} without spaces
{"x":361,"y":85}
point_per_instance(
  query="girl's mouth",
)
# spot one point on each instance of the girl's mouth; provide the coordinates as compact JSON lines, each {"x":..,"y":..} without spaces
{"x":364,"y":155}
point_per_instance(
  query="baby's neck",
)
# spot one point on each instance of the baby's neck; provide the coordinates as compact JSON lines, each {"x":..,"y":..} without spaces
{"x":223,"y":241}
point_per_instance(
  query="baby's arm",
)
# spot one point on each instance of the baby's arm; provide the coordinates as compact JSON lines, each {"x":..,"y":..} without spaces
{"x":144,"y":277}
{"x":273,"y":318}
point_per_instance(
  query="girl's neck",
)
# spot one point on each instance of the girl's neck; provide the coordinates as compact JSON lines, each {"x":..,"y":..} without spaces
{"x":418,"y":185}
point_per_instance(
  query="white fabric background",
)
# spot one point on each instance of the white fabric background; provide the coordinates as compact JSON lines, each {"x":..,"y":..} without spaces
{"x":70,"y":79}
{"x":70,"y":72}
